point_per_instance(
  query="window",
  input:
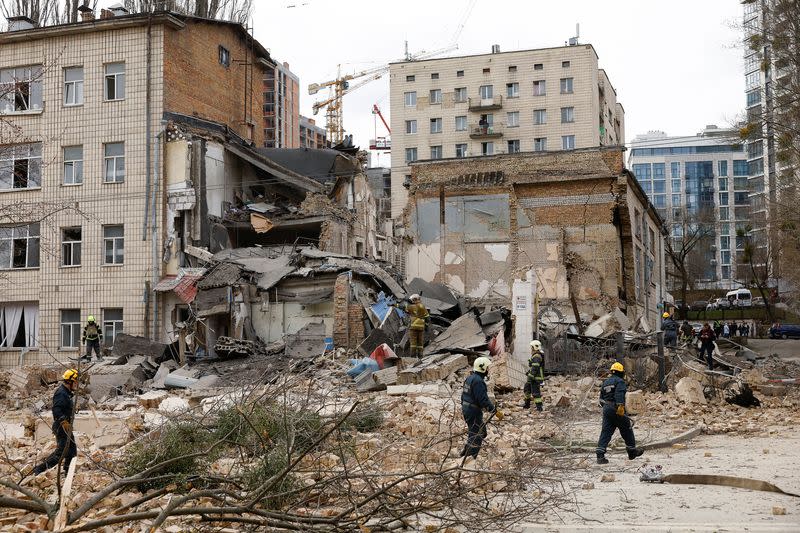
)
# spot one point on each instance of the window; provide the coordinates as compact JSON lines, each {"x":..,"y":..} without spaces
{"x":411,"y":78}
{"x":723,"y":198}
{"x":486,"y":71}
{"x":722,"y":168}
{"x":676,"y":200}
{"x":410,"y":98}
{"x":486,"y":92}
{"x":658,"y":171}
{"x":19,"y":246}
{"x":725,"y":243}
{"x":513,"y":146}
{"x":512,"y":119}
{"x":740,"y":167}
{"x":115,"y":81}
{"x":540,"y":116}
{"x":752,"y":80}
{"x":21,"y":89}
{"x":436,"y":96}
{"x":461,"y":150}
{"x":538,"y":66}
{"x":114,"y":162}
{"x":566,"y":85}
{"x":20,"y":327}
{"x":411,"y":154}
{"x":436,"y":125}
{"x":512,"y":68}
{"x":70,"y":328}
{"x":660,"y":186}
{"x":740,"y":183}
{"x":224,"y":56}
{"x":411,"y":127}
{"x":539,"y":88}
{"x":461,"y":123}
{"x":20,"y":166}
{"x":724,"y":213}
{"x":740,"y":198}
{"x":540,"y":144}
{"x":726,"y":257}
{"x":73,"y":165}
{"x":675,"y":169}
{"x":112,"y":325}
{"x":436,"y":152}
{"x":754,"y":97}
{"x":723,"y":184}
{"x":567,"y":115}
{"x":71,"y":246}
{"x":459,"y":74}
{"x":512,"y":90}
{"x":73,"y":86}
{"x":565,"y":64}
{"x":726,"y":272}
{"x":434,"y":75}
{"x":567,"y":142}
{"x":487,"y":148}
{"x":460,"y":94}
{"x":755,"y":167}
{"x":113,"y":245}
{"x":676,"y":185}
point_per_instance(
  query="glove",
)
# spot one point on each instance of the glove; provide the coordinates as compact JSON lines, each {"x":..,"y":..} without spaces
{"x":499,"y":415}
{"x":620,"y":410}
{"x":66,"y":426}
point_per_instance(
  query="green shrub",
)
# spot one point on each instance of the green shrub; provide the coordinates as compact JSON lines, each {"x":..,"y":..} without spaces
{"x":274,"y":423}
{"x":271,"y":464}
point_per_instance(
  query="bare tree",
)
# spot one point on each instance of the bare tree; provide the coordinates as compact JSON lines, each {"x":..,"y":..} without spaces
{"x":231,"y":10}
{"x":758,"y":264}
{"x":693,"y":233}
{"x":45,"y":12}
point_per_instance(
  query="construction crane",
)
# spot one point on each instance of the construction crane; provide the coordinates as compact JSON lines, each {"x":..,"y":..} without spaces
{"x":380,"y":143}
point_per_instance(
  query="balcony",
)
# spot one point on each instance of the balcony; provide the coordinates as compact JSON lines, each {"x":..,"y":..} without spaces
{"x":485,"y":104}
{"x":485,"y":132}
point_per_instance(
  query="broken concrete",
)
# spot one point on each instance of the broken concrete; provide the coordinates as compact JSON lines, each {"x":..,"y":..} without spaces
{"x":464,"y":332}
{"x":634,"y":403}
{"x":689,"y":390}
{"x":308,"y":342}
{"x":432,"y":368}
{"x":432,"y":389}
{"x":129,"y":345}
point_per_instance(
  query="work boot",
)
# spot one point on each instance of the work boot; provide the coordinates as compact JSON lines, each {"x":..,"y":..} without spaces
{"x":539,"y":407}
{"x":601,"y":460}
{"x":636,"y":452}
{"x":527,"y":404}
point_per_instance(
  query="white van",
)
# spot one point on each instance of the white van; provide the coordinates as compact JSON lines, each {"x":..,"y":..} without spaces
{"x":740,"y":298}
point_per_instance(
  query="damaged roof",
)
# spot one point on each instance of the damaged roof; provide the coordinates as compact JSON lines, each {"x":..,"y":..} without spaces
{"x":323,"y":165}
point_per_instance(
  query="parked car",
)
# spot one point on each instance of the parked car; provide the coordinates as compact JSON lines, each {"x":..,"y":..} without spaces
{"x":680,"y":305}
{"x":698,"y":305}
{"x":785,"y":331}
{"x":758,"y":301}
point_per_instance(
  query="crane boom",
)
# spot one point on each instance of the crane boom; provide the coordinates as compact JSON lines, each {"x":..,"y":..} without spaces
{"x":376,"y":110}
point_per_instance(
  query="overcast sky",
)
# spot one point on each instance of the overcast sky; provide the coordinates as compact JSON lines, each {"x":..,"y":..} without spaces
{"x":676,"y":65}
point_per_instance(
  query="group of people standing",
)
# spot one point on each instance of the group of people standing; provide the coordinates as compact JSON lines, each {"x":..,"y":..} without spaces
{"x":731,"y":329}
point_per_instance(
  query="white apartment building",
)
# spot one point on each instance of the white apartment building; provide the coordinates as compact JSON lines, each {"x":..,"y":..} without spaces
{"x":503,"y":102}
{"x":704,"y":173}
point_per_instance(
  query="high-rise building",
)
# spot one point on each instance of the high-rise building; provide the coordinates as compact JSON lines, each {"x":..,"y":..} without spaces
{"x":549,"y":99}
{"x":698,"y":180}
{"x":281,"y":107}
{"x":311,"y":135}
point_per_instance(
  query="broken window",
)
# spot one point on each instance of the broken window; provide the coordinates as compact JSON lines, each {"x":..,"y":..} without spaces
{"x":70,"y":328}
{"x":115,"y":81}
{"x":113,"y":245}
{"x":21,"y":89}
{"x":73,"y":165}
{"x":112,"y":325}
{"x":19,"y":246}
{"x":479,"y":218}
{"x":21,"y":166}
{"x":19,"y":325}
{"x":487,"y":148}
{"x":71,"y":246}
{"x":461,"y":150}
{"x":73,"y":86}
{"x":224,"y":56}
{"x":427,"y":220}
{"x":114,"y":162}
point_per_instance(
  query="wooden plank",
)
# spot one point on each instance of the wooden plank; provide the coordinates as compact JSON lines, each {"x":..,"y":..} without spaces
{"x":61,"y":517}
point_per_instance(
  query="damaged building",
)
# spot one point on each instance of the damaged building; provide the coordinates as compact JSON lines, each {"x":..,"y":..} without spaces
{"x":546,"y":234}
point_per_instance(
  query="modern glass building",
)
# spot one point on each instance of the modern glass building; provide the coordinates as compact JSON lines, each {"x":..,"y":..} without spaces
{"x":699,"y":179}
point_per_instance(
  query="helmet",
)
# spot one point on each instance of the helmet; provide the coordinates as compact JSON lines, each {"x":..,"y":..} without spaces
{"x":70,"y":375}
{"x":414,"y":297}
{"x":617,"y":367}
{"x":91,"y":318}
{"x":482,"y":364}
{"x":665,"y":315}
{"x":536,"y":345}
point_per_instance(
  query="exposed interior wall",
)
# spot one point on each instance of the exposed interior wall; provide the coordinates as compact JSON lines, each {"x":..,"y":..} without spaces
{"x":273,"y":320}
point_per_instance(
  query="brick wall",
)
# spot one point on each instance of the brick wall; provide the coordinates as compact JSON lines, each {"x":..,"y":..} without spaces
{"x":348,"y":317}
{"x":196,"y":83}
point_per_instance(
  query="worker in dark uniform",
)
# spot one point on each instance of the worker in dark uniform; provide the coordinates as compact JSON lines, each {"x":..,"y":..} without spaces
{"x":474,"y":400}
{"x":670,"y":329}
{"x":707,"y":338}
{"x":612,"y":400}
{"x":535,"y":377}
{"x":418,"y":316}
{"x":92,"y":335}
{"x":63,"y":410}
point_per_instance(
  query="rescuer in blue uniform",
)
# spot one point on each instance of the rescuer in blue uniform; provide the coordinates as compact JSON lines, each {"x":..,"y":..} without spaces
{"x":474,"y":399}
{"x":612,"y":399}
{"x":63,"y":411}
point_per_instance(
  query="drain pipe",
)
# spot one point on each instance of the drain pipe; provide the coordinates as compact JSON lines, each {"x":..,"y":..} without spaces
{"x":154,"y":228}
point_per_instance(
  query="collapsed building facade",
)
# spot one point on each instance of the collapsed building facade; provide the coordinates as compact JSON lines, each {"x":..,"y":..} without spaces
{"x":546,"y":234}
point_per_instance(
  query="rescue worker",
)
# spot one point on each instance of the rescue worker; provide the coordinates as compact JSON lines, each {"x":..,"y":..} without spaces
{"x":687,"y":332}
{"x":670,"y":329}
{"x":474,"y":400}
{"x":92,"y":335}
{"x":707,"y":338}
{"x":63,"y":410}
{"x":535,"y":377}
{"x":612,"y":400}
{"x":418,"y":316}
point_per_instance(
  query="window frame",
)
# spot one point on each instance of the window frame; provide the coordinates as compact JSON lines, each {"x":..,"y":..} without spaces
{"x":410,"y":96}
{"x":13,"y":236}
{"x":411,"y":127}
{"x":71,"y":245}
{"x":410,"y":78}
{"x":435,"y":97}
{"x":74,"y":165}
{"x":437,"y":152}
{"x":74,"y":329}
{"x":460,"y":94}
{"x":29,"y":77}
{"x":436,"y":125}
{"x":489,"y":89}
{"x":116,"y":325}
{"x":117,"y":245}
{"x":13,"y":155}
{"x":512,"y":89}
{"x":512,"y":123}
{"x":115,"y":159}
{"x":75,"y":84}
{"x":224,"y":56}
{"x":539,"y":113}
{"x":564,"y":142}
{"x":540,"y":144}
{"x":485,"y":145}
{"x":119,"y":81}
{"x":566,"y":86}
{"x":464,"y":118}
{"x":416,"y":154}
{"x":568,"y":115}
{"x":517,"y":146}
{"x":539,"y":87}
{"x":465,"y":148}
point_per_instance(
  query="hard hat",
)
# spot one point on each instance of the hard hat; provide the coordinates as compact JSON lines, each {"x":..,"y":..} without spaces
{"x":665,"y":315}
{"x":482,"y":364}
{"x":70,"y":375}
{"x":414,"y":297}
{"x":91,"y":318}
{"x":536,"y":345}
{"x":617,"y":367}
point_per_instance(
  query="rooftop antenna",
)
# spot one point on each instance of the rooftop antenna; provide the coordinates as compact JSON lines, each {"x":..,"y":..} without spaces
{"x":573,"y":41}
